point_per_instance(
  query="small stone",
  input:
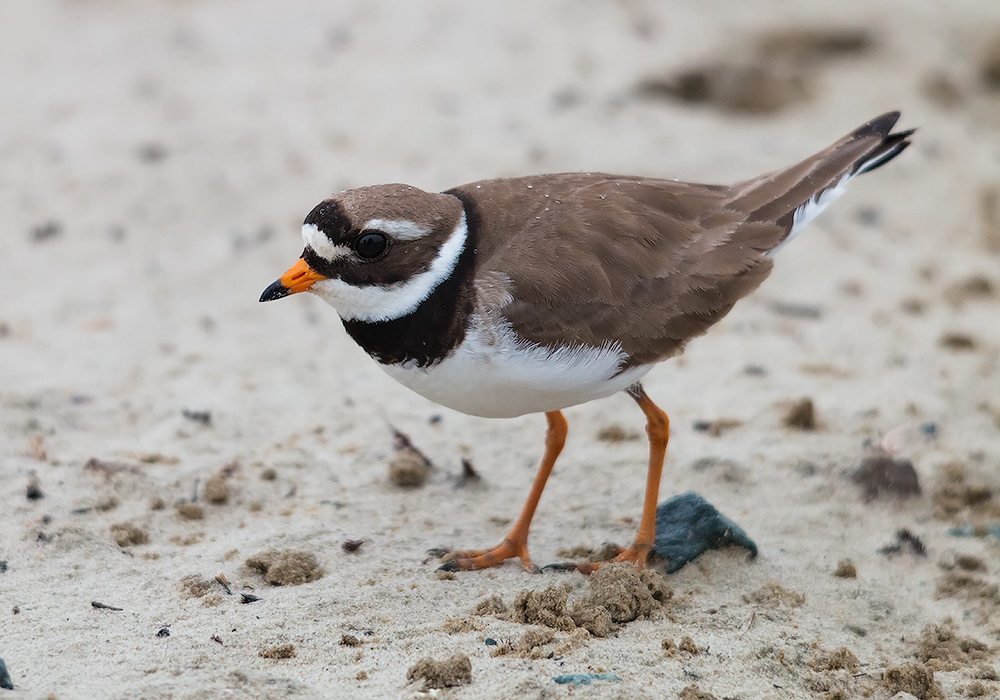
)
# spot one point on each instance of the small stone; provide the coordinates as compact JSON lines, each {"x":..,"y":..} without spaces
{"x":190,"y":511}
{"x":970,"y":562}
{"x":585,"y":678}
{"x":46,"y":230}
{"x":845,"y":569}
{"x":269,"y":474}
{"x":282,"y":651}
{"x":349,"y":640}
{"x":203,"y":417}
{"x":801,"y":415}
{"x":128,"y":534}
{"x":615,"y":432}
{"x":33,"y":491}
{"x":217,"y":489}
{"x":957,"y":341}
{"x":106,"y":504}
{"x":409,"y":467}
{"x":881,"y":473}
{"x":989,"y":64}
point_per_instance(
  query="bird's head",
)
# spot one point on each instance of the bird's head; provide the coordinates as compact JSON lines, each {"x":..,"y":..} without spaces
{"x":376,"y":253}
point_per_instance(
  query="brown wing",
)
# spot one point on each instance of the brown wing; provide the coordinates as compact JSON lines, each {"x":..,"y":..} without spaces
{"x":598,"y":259}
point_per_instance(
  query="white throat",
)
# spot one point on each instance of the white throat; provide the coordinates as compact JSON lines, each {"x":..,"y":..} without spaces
{"x":374,"y":303}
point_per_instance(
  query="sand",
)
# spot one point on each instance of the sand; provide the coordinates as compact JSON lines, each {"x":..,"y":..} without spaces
{"x":156,"y":160}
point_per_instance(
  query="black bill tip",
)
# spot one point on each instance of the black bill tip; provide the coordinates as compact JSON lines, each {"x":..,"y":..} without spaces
{"x":276,"y":291}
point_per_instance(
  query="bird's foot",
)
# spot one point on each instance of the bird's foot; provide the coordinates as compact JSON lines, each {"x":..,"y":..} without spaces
{"x":469,"y":559}
{"x":637,"y":555}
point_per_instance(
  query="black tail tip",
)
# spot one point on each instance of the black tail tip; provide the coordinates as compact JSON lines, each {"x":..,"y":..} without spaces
{"x":879,"y":126}
{"x":891,"y":145}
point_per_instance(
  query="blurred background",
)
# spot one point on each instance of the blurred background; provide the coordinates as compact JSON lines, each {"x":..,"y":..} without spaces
{"x":157,"y":158}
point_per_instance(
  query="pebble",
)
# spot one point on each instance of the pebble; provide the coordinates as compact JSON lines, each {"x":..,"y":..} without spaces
{"x":687,"y":526}
{"x":5,"y":681}
{"x":585,"y":678}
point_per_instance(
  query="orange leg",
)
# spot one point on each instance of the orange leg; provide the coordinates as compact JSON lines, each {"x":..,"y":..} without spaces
{"x":658,"y":430}
{"x":515,"y":544}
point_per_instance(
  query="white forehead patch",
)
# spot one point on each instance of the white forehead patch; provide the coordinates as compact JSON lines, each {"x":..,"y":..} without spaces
{"x":321,"y":244}
{"x":374,"y":303}
{"x":400,"y":229}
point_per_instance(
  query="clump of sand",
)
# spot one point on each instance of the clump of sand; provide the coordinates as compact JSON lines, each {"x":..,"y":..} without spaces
{"x":286,"y":567}
{"x":454,"y":671}
{"x":617,"y":594}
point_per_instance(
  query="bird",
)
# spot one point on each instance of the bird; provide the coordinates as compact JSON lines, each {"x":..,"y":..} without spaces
{"x":522,"y":295}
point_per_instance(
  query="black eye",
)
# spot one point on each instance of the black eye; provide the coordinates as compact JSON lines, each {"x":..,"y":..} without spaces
{"x":370,"y":245}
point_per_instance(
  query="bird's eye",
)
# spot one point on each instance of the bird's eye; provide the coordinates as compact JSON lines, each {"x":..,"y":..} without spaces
{"x":370,"y":245}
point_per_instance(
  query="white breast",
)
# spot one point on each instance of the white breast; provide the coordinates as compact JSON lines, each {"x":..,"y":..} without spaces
{"x":496,"y":375}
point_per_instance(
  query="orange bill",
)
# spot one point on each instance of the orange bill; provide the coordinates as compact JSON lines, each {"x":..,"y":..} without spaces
{"x":299,"y":278}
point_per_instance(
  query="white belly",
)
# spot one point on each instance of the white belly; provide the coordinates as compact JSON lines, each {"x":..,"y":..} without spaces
{"x":492,"y":374}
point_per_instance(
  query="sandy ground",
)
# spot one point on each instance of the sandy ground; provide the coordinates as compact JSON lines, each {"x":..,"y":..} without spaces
{"x":156,"y":160}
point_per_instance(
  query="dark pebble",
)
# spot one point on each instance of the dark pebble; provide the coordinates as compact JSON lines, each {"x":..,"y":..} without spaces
{"x":3,"y":566}
{"x":203,"y":417}
{"x":163,"y":632}
{"x":45,"y":231}
{"x":795,"y":310}
{"x":879,"y":473}
{"x":34,"y":490}
{"x":5,"y":681}
{"x":248,"y":598}
{"x":687,"y":526}
{"x":585,"y":678}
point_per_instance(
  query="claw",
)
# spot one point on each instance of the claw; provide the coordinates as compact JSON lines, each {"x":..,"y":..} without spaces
{"x":561,"y":566}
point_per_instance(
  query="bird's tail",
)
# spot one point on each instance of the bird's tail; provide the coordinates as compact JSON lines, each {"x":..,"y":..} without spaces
{"x":795,"y":196}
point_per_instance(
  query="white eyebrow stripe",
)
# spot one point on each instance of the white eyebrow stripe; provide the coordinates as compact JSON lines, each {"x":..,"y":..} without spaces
{"x":321,"y":244}
{"x":400,"y":229}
